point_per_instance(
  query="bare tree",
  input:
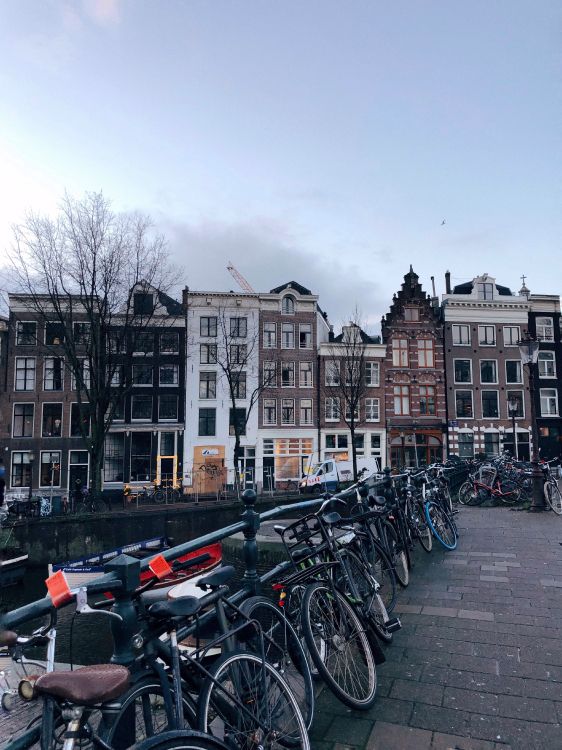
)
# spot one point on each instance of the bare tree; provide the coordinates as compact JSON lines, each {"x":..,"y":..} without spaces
{"x":346,"y":377}
{"x":94,"y":280}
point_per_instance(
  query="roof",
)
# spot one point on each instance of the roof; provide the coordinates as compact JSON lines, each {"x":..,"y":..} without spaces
{"x":466,"y":288}
{"x":292,"y":285}
{"x":365,"y":338}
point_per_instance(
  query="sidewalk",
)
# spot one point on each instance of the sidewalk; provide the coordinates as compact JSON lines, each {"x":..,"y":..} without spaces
{"x":478,"y":662}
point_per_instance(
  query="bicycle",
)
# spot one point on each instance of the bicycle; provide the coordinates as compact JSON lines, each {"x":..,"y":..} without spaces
{"x":552,"y":493}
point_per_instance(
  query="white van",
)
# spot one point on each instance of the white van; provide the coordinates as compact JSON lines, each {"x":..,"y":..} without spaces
{"x":330,"y":475}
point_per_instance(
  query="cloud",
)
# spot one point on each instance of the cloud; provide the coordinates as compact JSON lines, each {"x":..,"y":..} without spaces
{"x":103,"y":12}
{"x":267,"y":255}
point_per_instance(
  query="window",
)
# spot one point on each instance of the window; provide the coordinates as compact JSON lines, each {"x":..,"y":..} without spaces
{"x":26,"y":333}
{"x":141,"y":447}
{"x":239,"y":328}
{"x":513,"y":372}
{"x":549,"y":402}
{"x":116,"y":342}
{"x":287,"y":336}
{"x":511,"y":335}
{"x":547,"y":365}
{"x":516,"y":396}
{"x":287,"y":411}
{"x":269,"y":336}
{"x":305,"y":336}
{"x":208,"y":354}
{"x":118,"y":377}
{"x":270,"y":374}
{"x":50,"y":469}
{"x":372,"y":374}
{"x":375,"y":443}
{"x":21,"y":469}
{"x":425,"y":353}
{"x":169,"y":343}
{"x":466,"y":445}
{"x":348,"y":416}
{"x":427,"y":400}
{"x":169,"y":374}
{"x":332,"y":409}
{"x":463,"y":371}
{"x":332,"y":373}
{"x":80,"y":420}
{"x":461,"y":334}
{"x":463,"y":405}
{"x":372,"y":409}
{"x":487,"y":335}
{"x":490,"y":407}
{"x":141,"y":408}
{"x":305,"y":374}
{"x":238,"y":354}
{"x":54,"y":333}
{"x":401,"y":399}
{"x":52,"y":420}
{"x":239,"y":384}
{"x":545,"y":329}
{"x":83,"y":372}
{"x":488,"y":371}
{"x":491,"y":443}
{"x":288,"y":305}
{"x":143,"y":343}
{"x":25,"y":373}
{"x":207,"y":422}
{"x":287,"y":374}
{"x":53,"y":374}
{"x":113,"y":457}
{"x":306,"y":411}
{"x":400,"y":352}
{"x":22,"y":423}
{"x":336,"y":441}
{"x":485,"y":291}
{"x":207,"y":385}
{"x":81,"y":334}
{"x":411,"y":314}
{"x":168,"y":408}
{"x":237,"y":418}
{"x":119,"y":410}
{"x":269,"y":411}
{"x":352,"y":374}
{"x":142,"y":375}
{"x":143,"y":303}
{"x":208,"y":326}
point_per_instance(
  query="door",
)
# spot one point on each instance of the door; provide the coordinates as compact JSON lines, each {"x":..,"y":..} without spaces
{"x":77,"y":472}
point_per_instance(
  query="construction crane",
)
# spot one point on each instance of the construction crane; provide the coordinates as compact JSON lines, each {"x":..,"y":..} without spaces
{"x":239,"y":278}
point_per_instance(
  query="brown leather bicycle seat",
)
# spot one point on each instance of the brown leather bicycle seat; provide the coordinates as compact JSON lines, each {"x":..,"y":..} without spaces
{"x":86,"y":686}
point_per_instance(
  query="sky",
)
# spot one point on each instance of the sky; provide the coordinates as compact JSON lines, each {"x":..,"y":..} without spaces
{"x":311,"y":140}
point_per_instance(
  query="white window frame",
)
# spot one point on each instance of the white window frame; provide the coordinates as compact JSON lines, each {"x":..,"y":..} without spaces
{"x":177,"y":375}
{"x":34,"y":369}
{"x":268,"y":381}
{"x":542,"y":327}
{"x":291,"y":366}
{"x":348,"y":412}
{"x":484,"y":328}
{"x":267,"y":335}
{"x":331,"y":368}
{"x":370,"y":405}
{"x":309,"y":332}
{"x":23,"y":403}
{"x":470,"y":433}
{"x":311,"y":407}
{"x":554,"y":391}
{"x":69,"y":464}
{"x":467,"y":390}
{"x":458,"y":328}
{"x":207,"y":381}
{"x":21,"y":323}
{"x":516,"y":382}
{"x":424,"y":351}
{"x":142,"y":385}
{"x":510,"y":337}
{"x":60,"y":468}
{"x":491,"y":382}
{"x":177,"y":338}
{"x":287,"y":328}
{"x":333,"y":403}
{"x":372,"y":374}
{"x":85,"y":374}
{"x":284,"y":402}
{"x":52,"y":403}
{"x":288,"y":301}
{"x":53,"y":390}
{"x":400,"y":398}
{"x":302,"y":383}
{"x":402,"y":358}
{"x":551,"y":359}
{"x":490,"y":390}
{"x":462,"y":382}
{"x":142,"y":420}
{"x":522,"y":394}
{"x":485,"y":291}
{"x":207,"y":348}
{"x":269,"y":403}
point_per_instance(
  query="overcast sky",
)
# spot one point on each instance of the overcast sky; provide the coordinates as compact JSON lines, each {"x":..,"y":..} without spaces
{"x":318,"y":141}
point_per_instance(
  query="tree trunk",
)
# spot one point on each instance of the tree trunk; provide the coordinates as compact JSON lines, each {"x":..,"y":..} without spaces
{"x":237,"y":464}
{"x":353,"y":451}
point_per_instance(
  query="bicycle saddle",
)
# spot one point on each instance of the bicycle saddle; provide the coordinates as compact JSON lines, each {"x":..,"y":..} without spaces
{"x":86,"y":686}
{"x":331,"y":518}
{"x":377,"y":500}
{"x":184,"y":606}
{"x":218,"y":578}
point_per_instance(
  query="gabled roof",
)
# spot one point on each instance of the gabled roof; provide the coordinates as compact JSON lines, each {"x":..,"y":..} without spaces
{"x":365,"y":338}
{"x":292,"y":285}
{"x":173,"y":307}
{"x":467,"y":287}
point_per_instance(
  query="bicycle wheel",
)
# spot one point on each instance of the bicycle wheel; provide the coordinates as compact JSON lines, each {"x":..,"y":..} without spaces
{"x":511,"y":491}
{"x":179,"y":739}
{"x":422,"y":531}
{"x":371,"y":604}
{"x":159,"y":496}
{"x":283,"y":650}
{"x":141,"y":714}
{"x":441,"y":525}
{"x":340,"y":647}
{"x":553,"y":496}
{"x":398,"y":555}
{"x":293,"y":607}
{"x":381,"y":569}
{"x":271,"y":719}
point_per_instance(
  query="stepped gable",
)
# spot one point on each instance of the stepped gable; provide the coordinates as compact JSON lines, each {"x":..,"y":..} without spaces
{"x":411,"y":294}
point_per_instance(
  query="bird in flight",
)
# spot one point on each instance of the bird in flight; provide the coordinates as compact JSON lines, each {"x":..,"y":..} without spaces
{"x":443,"y":222}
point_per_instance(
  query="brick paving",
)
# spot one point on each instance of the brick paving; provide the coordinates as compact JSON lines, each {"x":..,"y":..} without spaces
{"x":478,"y":662}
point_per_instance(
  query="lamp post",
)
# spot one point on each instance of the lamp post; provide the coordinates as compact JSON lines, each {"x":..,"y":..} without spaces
{"x":529,"y":350}
{"x":512,"y":406}
{"x":31,"y":460}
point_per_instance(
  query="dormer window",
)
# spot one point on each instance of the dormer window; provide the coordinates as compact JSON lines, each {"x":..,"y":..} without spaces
{"x":485,"y":291}
{"x":288,"y":305}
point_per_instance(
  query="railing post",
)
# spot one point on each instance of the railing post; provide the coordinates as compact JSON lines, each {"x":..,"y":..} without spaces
{"x":252,"y":520}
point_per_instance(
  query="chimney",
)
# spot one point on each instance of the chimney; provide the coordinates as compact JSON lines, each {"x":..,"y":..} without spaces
{"x":433,"y":284}
{"x":448,"y":282}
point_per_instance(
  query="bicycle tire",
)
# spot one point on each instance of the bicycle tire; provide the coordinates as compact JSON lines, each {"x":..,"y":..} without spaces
{"x":293,"y":604}
{"x":553,"y":496}
{"x":242,"y":672}
{"x":398,"y":556}
{"x":286,"y":653}
{"x":181,"y":739}
{"x":159,"y":497}
{"x":372,"y":608}
{"x":441,"y":525}
{"x":146,"y":699}
{"x":423,"y":532}
{"x":511,"y":492}
{"x":331,"y":627}
{"x":382,"y":569}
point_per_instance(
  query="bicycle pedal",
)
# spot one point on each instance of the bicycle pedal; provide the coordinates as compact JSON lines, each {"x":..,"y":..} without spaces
{"x":393,"y":624}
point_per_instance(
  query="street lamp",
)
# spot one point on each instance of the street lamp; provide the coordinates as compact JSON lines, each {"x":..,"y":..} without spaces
{"x":529,"y":351}
{"x":31,"y":460}
{"x":512,"y":407}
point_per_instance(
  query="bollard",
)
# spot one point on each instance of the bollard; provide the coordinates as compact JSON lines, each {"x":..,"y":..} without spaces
{"x":252,"y":520}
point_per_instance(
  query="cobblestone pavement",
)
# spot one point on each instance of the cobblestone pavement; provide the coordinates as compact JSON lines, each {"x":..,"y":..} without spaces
{"x":478,"y":662}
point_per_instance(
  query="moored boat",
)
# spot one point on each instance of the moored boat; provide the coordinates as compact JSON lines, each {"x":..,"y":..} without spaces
{"x":13,"y":562}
